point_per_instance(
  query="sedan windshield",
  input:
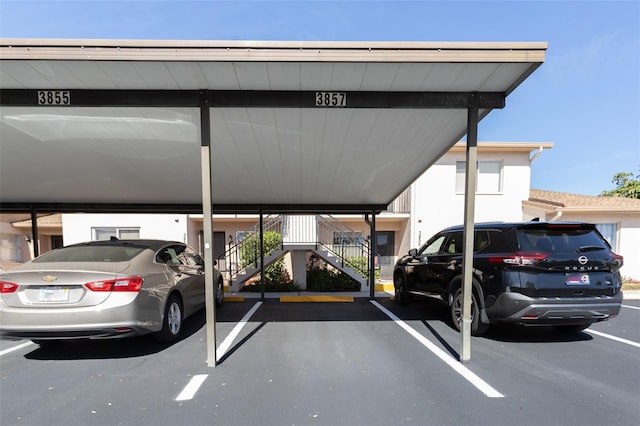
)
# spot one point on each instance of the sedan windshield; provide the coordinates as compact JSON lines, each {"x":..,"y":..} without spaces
{"x":102,"y":253}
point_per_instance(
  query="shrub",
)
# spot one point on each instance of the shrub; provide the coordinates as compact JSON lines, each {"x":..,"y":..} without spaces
{"x":323,"y":279}
{"x":275,"y":275}
{"x":270,"y":287}
{"x":361,"y":265}
{"x":250,"y":249}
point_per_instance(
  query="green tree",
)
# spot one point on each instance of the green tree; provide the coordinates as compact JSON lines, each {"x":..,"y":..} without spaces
{"x":626,"y":186}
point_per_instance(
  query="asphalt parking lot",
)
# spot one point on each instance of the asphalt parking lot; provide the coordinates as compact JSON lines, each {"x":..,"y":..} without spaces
{"x":359,"y":363}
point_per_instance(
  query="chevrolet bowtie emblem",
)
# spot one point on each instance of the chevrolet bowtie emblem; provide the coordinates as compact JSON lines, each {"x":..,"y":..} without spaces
{"x":49,"y":278}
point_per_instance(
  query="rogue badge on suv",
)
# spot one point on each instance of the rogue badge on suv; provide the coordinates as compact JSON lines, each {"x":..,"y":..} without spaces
{"x":535,"y":273}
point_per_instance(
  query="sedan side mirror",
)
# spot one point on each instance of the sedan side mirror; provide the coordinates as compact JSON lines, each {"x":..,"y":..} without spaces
{"x":413,"y":252}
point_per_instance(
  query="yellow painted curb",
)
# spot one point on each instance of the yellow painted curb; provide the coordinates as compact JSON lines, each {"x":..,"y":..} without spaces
{"x":316,"y":299}
{"x":233,"y":299}
{"x":384,"y":287}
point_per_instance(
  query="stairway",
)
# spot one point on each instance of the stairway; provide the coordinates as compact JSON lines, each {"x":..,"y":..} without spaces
{"x":323,"y":235}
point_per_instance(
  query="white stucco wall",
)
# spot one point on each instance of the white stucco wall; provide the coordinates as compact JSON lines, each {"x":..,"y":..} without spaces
{"x":436,"y":204}
{"x":77,"y":227}
{"x":629,"y":245}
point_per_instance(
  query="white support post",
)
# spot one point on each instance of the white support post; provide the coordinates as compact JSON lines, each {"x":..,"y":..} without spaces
{"x":207,"y":221}
{"x":469,"y":226}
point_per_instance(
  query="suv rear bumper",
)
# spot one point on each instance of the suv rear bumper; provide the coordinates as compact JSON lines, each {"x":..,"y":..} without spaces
{"x":521,"y":309}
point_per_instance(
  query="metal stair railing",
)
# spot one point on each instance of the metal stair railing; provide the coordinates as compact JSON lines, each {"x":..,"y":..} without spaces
{"x":236,"y":265}
{"x":331,"y":236}
{"x":350,"y":244}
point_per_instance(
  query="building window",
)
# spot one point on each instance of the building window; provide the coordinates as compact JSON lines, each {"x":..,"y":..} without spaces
{"x":488,"y":178}
{"x":609,"y":232}
{"x":10,"y":248}
{"x":105,"y":233}
{"x":347,"y":238}
{"x":348,"y":244}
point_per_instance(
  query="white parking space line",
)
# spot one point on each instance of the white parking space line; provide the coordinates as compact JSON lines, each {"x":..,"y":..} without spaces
{"x":470,"y":376}
{"x":16,"y":348}
{"x":192,"y":387}
{"x":631,"y":307}
{"x":226,"y":343}
{"x":617,"y":339}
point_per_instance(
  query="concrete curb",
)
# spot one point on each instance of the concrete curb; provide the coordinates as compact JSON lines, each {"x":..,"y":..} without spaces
{"x":317,"y":299}
{"x":347,"y":296}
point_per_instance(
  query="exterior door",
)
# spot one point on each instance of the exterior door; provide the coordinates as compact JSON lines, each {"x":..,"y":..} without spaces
{"x":385,"y":251}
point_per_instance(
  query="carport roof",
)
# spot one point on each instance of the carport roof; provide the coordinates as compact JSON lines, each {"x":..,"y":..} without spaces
{"x":129,"y":136}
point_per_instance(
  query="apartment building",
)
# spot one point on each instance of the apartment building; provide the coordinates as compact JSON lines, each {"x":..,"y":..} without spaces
{"x":434,"y":201}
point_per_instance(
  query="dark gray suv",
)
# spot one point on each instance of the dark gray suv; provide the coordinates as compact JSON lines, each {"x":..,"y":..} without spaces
{"x":562,"y":274}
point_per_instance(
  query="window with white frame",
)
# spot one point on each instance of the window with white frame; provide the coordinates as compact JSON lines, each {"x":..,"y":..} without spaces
{"x":609,"y":231}
{"x":488,"y":177}
{"x":10,"y":248}
{"x":347,"y":238}
{"x":105,"y":233}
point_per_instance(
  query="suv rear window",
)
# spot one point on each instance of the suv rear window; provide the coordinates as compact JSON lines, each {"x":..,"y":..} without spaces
{"x":560,"y":240}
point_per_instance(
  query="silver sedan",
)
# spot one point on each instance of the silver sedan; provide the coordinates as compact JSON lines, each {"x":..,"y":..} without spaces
{"x":104,"y":289}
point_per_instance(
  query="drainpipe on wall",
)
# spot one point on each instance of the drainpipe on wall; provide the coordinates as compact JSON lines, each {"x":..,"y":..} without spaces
{"x":372,"y":253}
{"x":556,"y":217}
{"x":536,"y":155}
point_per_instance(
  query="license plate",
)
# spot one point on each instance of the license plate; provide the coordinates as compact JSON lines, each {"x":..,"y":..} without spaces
{"x":54,"y":294}
{"x":577,"y":279}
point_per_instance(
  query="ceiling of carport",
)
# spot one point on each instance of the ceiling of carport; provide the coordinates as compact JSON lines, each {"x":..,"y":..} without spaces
{"x":261,"y":155}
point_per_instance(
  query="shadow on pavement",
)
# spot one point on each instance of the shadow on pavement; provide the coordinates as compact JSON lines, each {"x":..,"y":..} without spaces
{"x":128,"y":347}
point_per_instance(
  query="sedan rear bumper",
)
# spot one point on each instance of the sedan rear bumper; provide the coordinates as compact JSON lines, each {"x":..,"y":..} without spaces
{"x":75,"y":323}
{"x":521,"y":309}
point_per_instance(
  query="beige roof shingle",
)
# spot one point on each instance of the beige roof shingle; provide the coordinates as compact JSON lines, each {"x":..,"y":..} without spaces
{"x":43,"y":221}
{"x":567,"y":201}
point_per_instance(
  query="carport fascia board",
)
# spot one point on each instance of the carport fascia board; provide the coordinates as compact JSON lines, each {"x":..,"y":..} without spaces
{"x":21,"y":207}
{"x":252,"y":99}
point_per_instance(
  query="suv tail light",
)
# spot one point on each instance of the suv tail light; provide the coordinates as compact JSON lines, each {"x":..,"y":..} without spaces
{"x":617,"y":260}
{"x":520,"y":258}
{"x":120,"y":284}
{"x":8,"y":287}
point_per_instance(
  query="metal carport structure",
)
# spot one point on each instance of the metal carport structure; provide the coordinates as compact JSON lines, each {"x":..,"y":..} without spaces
{"x":243,"y":127}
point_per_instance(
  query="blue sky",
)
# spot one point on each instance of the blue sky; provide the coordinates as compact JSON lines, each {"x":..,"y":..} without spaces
{"x":585,"y":98}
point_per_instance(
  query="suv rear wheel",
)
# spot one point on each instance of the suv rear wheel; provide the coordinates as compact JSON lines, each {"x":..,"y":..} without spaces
{"x":477,"y":327}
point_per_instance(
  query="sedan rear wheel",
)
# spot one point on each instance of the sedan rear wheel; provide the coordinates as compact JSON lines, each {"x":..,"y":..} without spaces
{"x":172,"y":321}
